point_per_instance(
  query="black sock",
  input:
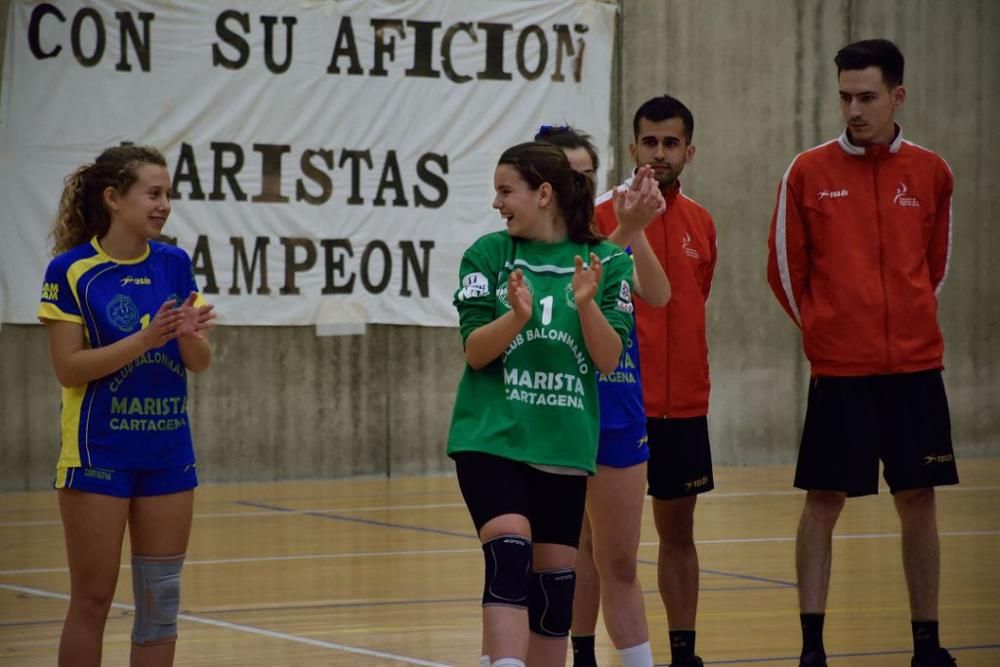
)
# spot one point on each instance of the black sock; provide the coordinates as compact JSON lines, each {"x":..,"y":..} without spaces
{"x":925,"y":638}
{"x":583,"y":651}
{"x":681,"y":646}
{"x":812,"y":633}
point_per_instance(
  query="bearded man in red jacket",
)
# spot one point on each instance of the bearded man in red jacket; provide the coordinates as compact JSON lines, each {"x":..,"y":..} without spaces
{"x":673,"y":358}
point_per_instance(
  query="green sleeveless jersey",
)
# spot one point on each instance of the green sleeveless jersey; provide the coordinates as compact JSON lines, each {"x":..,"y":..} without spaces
{"x":537,"y":402}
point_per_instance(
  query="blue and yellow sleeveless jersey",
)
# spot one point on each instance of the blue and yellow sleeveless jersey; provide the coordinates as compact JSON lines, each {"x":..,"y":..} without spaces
{"x":136,"y":418}
{"x":620,"y":392}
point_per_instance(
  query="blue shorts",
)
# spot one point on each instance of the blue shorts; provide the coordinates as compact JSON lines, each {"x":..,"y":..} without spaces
{"x":127,"y":483}
{"x":623,"y":446}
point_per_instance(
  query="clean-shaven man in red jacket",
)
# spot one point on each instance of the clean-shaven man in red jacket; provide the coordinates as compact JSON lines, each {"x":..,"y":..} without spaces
{"x":858,"y":252}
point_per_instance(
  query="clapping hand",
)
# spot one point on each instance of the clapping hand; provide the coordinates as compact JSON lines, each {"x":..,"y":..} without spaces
{"x":586,"y":278}
{"x":641,"y":203}
{"x":163,"y":327}
{"x":195,"y":320}
{"x":519,"y":296}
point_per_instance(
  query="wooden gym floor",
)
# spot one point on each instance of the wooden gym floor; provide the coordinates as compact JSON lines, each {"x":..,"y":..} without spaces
{"x":388,"y":572}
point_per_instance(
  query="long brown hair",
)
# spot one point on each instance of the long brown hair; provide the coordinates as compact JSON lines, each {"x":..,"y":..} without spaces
{"x":539,"y":162}
{"x":82,"y":214}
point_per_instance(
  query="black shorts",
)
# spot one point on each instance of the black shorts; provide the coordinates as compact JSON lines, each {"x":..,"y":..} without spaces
{"x":552,"y":503}
{"x":680,"y":458}
{"x":852,"y":422}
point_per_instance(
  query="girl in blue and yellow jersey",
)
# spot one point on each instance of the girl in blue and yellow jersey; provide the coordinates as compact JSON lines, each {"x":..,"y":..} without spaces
{"x":125,"y":324}
{"x":609,"y":542}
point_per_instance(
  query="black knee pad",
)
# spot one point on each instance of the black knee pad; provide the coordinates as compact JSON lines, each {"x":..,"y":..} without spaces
{"x":550,"y":602}
{"x":508,"y":564}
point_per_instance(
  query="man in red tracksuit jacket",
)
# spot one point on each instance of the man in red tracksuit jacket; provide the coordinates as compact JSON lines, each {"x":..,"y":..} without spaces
{"x":858,"y":252}
{"x":673,"y":361}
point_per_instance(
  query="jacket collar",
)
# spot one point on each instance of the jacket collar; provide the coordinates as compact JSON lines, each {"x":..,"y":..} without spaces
{"x":852,"y":149}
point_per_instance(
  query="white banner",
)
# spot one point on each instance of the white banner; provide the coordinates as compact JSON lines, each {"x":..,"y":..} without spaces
{"x":331,"y":160}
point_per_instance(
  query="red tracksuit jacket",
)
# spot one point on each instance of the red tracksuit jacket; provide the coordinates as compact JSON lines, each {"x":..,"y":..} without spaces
{"x":858,"y":249}
{"x":673,"y":349}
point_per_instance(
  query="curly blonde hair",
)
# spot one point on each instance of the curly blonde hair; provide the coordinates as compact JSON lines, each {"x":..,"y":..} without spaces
{"x":82,"y":214}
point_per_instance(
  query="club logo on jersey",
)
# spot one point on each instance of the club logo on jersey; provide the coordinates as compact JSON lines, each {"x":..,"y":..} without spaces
{"x":50,"y":292}
{"x":570,"y":296}
{"x":122,"y":313}
{"x":624,"y":291}
{"x":903,"y":198}
{"x":831,"y":194}
{"x":624,"y":301}
{"x":136,"y":280}
{"x":474,"y":285}
{"x":687,"y":249}
{"x":502,"y":291}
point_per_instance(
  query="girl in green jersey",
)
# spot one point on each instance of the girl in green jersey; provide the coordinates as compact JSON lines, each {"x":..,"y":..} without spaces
{"x":537,"y":319}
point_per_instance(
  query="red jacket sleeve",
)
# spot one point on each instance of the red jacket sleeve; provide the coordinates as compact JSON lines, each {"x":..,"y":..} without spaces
{"x":709,"y":273}
{"x":787,"y":258}
{"x":939,"y":248}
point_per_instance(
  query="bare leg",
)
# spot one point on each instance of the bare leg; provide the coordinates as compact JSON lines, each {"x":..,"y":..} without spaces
{"x":94,"y":526}
{"x":677,"y":569}
{"x":615,"y":498}
{"x":587,"y":597}
{"x":921,"y":551}
{"x":159,"y":526}
{"x":813,"y":548}
{"x":483,"y":650}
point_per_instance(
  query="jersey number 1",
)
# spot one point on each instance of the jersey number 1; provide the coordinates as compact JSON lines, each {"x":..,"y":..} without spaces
{"x":546,"y":310}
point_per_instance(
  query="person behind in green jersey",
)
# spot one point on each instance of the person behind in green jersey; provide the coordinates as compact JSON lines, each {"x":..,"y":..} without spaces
{"x":537,"y":320}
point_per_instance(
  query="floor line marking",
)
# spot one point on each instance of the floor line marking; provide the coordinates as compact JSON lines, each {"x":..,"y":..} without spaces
{"x":435,"y":552}
{"x":736,"y":575}
{"x":789,"y":658}
{"x":455,"y":505}
{"x":249,"y":629}
{"x":371,"y":522}
{"x":849,"y":536}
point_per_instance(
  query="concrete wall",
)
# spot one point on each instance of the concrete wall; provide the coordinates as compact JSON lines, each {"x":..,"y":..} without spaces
{"x":280,"y":403}
{"x":760,"y":80}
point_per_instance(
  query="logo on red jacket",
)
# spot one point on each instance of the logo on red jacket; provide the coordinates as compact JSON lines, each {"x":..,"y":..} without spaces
{"x":904,"y":199}
{"x":831,"y":194}
{"x":687,"y":249}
